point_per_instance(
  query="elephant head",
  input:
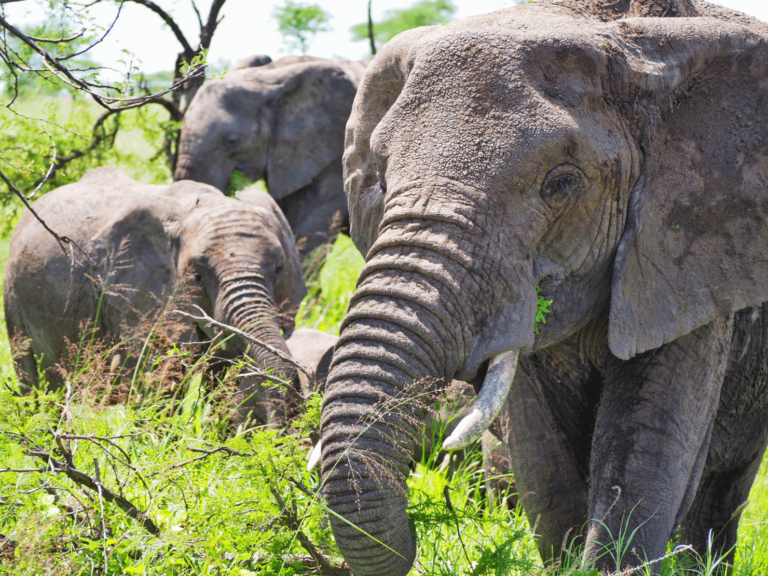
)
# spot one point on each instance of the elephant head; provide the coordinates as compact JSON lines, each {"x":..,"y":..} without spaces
{"x":281,"y":121}
{"x":241,"y":257}
{"x":617,"y":162}
{"x":237,"y":256}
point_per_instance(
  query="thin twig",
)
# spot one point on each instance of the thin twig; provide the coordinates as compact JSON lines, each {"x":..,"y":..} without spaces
{"x":207,"y":453}
{"x":255,"y":371}
{"x":101,"y":507}
{"x":204,"y":317}
{"x":446,"y":493}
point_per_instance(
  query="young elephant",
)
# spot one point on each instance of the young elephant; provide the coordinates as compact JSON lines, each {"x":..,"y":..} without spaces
{"x":614,"y":155}
{"x":132,"y":245}
{"x":281,"y":121}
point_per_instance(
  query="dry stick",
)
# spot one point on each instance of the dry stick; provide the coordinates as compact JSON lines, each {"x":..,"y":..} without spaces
{"x":291,"y":522}
{"x":83,"y":479}
{"x":207,"y":453}
{"x":268,"y":347}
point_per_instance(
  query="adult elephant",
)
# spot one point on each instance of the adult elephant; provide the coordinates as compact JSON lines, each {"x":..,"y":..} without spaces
{"x":617,"y":160}
{"x":133,"y":244}
{"x":281,"y":121}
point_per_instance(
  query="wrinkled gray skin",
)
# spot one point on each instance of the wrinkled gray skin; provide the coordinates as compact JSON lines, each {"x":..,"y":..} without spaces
{"x":237,"y":255}
{"x":284,"y":122}
{"x":620,"y":162}
{"x":314,"y":349}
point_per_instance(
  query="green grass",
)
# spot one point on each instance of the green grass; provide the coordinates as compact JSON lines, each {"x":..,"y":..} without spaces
{"x":235,"y":511}
{"x":330,"y":284}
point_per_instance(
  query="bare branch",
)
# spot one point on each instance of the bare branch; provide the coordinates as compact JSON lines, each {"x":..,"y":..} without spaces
{"x":66,"y":75}
{"x":84,"y":480}
{"x":59,"y":40}
{"x":268,"y":347}
{"x":189,"y":52}
{"x":100,"y":40}
{"x":207,"y":31}
{"x":197,"y":13}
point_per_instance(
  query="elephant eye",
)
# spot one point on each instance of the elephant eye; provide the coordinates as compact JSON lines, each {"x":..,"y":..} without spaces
{"x":560,"y":184}
{"x":232,"y":139}
{"x":279,"y":264}
{"x":382,"y":181}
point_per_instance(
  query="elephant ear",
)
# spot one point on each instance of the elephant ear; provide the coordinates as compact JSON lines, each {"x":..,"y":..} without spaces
{"x":252,"y":61}
{"x":290,"y":286}
{"x":134,"y":255}
{"x":310,"y":113}
{"x":381,"y":86}
{"x":695,"y":245}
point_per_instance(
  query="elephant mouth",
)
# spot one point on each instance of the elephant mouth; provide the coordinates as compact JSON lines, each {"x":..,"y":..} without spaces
{"x":488,"y":404}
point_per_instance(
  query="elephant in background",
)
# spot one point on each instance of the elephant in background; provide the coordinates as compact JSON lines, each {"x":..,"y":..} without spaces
{"x":281,"y":121}
{"x":615,"y":155}
{"x":314,"y":349}
{"x":137,"y":242}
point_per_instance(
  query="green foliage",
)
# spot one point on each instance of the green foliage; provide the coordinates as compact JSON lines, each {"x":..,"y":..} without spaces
{"x":239,"y":181}
{"x":299,"y":23}
{"x":542,"y":308}
{"x":129,"y":141}
{"x":331,"y":278}
{"x":218,"y":512}
{"x":29,"y":84}
{"x":423,"y":13}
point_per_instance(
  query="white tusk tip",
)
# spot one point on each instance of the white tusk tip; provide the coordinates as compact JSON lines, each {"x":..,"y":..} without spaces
{"x":315,"y":455}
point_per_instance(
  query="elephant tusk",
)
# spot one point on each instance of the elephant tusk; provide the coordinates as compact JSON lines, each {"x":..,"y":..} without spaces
{"x":314,"y":456}
{"x":488,"y":403}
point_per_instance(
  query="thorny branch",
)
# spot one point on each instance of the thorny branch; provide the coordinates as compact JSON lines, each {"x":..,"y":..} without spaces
{"x":25,"y":198}
{"x":55,"y":66}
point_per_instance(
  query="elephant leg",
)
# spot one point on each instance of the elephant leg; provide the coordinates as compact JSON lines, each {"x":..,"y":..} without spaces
{"x":650,"y":443}
{"x":318,"y":211}
{"x":739,"y":439}
{"x":545,"y":428}
{"x":23,"y":355}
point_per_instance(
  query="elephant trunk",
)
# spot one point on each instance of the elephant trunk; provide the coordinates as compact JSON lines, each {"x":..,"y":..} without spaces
{"x":418,"y":317}
{"x":185,"y":167}
{"x":201,"y":167}
{"x":393,"y":340}
{"x":247,"y":305}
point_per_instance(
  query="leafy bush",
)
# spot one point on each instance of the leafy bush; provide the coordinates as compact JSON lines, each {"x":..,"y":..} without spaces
{"x":423,"y":13}
{"x":129,"y":140}
{"x":331,"y":273}
{"x":299,"y":23}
